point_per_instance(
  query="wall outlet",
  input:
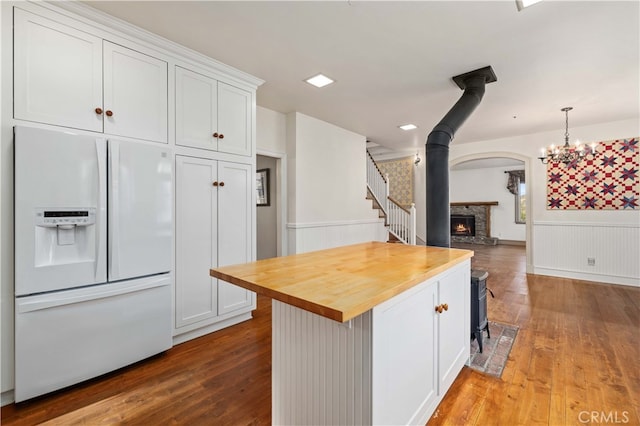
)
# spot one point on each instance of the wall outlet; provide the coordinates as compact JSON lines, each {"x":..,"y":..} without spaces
{"x":591,"y":261}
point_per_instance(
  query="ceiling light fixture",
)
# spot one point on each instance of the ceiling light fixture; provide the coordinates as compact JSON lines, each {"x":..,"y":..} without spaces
{"x":521,"y":4}
{"x":566,"y":154}
{"x":319,"y":80}
{"x":408,"y":126}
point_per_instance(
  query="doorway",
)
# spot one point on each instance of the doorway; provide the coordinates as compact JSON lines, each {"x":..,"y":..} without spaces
{"x":270,"y":240}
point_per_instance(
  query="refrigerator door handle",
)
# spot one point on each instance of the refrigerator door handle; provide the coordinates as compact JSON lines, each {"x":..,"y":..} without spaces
{"x":51,"y":300}
{"x":100,"y":216}
{"x":114,"y":210}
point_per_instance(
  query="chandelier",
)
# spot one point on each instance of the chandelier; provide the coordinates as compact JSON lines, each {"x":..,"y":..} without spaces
{"x":566,"y":154}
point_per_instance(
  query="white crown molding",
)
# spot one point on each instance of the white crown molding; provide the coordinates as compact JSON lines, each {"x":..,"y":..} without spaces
{"x":154,"y":40}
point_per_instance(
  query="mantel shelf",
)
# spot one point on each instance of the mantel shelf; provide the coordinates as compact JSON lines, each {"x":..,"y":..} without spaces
{"x":474,"y":203}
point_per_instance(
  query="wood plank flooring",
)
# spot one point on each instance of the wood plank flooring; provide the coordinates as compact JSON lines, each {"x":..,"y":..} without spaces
{"x":574,"y":361}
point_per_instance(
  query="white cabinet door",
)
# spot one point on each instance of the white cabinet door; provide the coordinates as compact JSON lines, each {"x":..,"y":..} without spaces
{"x":404,"y":356}
{"x":196,"y":240}
{"x":454,"y":341}
{"x":212,"y":115}
{"x":135,"y":94}
{"x":196,"y":110}
{"x":234,"y":120}
{"x":57,"y":73}
{"x":234,"y":230}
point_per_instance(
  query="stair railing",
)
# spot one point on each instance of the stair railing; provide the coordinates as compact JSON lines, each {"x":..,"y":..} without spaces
{"x":402,"y":221}
{"x":378,"y":184}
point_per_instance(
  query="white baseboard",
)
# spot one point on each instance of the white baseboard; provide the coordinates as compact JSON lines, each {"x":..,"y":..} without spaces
{"x":512,"y":243}
{"x":576,"y":275}
{"x":199,"y":332}
{"x":7,"y":398}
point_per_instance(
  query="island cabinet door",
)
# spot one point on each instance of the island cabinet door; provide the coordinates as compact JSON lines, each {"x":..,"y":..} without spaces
{"x":453,"y":324}
{"x":404,"y":382}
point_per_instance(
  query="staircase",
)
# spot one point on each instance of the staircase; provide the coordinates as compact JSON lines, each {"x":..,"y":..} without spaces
{"x":400,"y":221}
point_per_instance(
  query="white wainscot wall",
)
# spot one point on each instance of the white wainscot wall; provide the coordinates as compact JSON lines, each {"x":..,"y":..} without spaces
{"x":305,"y":237}
{"x":563,"y":249}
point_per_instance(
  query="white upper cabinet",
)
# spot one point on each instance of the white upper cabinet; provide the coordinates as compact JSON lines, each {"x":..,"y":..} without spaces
{"x":135,"y":94}
{"x":234,"y":120}
{"x":60,"y":75}
{"x":211,"y":114}
{"x":196,"y":110}
{"x":57,"y":73}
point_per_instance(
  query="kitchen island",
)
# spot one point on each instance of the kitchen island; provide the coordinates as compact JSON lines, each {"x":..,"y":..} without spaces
{"x":372,"y":333}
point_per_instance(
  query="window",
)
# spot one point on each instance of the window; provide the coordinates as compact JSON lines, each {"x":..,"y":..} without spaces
{"x":516,"y":185}
{"x":521,"y":203}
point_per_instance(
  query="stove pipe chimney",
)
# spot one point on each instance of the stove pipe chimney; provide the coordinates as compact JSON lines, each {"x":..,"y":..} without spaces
{"x":437,"y":153}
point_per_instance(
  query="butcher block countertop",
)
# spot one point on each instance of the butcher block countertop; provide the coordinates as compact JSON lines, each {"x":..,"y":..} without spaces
{"x":343,"y":282}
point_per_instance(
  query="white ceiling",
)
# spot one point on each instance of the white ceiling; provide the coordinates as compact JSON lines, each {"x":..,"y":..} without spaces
{"x":393,"y":61}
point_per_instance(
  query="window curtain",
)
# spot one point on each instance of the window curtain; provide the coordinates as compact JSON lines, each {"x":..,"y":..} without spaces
{"x":515,"y":178}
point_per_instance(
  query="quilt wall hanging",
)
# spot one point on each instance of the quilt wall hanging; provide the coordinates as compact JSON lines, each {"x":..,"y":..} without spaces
{"x":610,"y":181}
{"x":400,"y":179}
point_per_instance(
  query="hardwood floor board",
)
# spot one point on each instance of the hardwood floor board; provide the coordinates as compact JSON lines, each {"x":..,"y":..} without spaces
{"x":577,"y":349}
{"x":464,"y":400}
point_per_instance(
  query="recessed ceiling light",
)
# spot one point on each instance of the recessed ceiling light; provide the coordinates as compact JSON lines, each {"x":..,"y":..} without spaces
{"x":521,"y":4}
{"x":408,"y":126}
{"x":319,"y":80}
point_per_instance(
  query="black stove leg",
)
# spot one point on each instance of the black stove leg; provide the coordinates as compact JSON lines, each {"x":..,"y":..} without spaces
{"x":478,"y":335}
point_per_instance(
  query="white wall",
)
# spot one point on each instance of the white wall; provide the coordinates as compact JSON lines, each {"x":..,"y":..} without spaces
{"x":271,"y":141}
{"x":561,"y":241}
{"x":529,"y":146}
{"x":489,"y":184}
{"x":329,"y":172}
{"x":271,"y":131}
{"x":420,"y":198}
{"x":327,"y":186}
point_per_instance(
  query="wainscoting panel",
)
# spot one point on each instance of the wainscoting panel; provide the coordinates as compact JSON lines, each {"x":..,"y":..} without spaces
{"x":305,"y":237}
{"x":321,"y":368}
{"x":603,"y":252}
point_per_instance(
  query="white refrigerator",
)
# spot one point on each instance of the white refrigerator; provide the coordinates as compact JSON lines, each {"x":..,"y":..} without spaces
{"x":93,"y":249}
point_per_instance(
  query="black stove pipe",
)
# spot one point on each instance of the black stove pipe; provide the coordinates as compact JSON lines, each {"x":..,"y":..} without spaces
{"x":437,"y":154}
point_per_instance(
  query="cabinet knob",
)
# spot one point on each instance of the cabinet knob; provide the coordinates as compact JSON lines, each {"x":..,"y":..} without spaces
{"x":439,"y":309}
{"x":215,"y":135}
{"x":98,"y":110}
{"x":221,"y":136}
{"x":221,"y":183}
{"x":109,"y":113}
{"x":445,"y":307}
{"x":215,"y":183}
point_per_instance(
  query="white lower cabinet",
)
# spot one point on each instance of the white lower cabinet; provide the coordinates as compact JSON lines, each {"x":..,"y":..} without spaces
{"x":417,"y":351}
{"x":213,"y":228}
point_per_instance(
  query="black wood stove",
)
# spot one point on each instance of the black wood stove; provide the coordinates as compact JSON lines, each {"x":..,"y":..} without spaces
{"x":479,"y":321}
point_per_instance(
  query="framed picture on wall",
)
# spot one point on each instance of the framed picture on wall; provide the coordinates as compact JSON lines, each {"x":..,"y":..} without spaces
{"x":262,"y":187}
